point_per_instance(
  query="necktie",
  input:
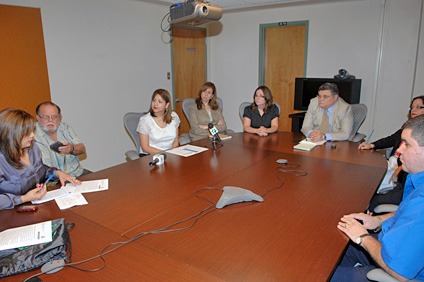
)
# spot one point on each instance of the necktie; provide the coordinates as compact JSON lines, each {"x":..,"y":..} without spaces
{"x":324,"y":124}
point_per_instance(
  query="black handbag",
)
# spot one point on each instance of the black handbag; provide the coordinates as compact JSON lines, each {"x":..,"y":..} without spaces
{"x":19,"y":260}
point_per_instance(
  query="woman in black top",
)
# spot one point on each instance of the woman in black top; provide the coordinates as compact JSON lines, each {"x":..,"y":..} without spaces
{"x":261,"y":117}
{"x":395,"y":195}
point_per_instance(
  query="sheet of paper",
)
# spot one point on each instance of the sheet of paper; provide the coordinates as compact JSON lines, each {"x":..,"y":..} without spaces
{"x":89,"y":186}
{"x":26,"y":235}
{"x":187,"y":150}
{"x":51,"y":195}
{"x":73,"y":199}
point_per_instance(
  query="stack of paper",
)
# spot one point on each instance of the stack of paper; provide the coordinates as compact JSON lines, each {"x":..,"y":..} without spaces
{"x":70,"y":195}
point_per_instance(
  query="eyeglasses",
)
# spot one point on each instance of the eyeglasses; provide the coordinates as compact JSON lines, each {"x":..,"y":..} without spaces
{"x":46,"y":117}
{"x":416,"y":108}
{"x":324,"y":96}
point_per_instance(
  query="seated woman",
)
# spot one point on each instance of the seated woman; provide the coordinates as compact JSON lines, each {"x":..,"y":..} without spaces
{"x":158,"y":129}
{"x":395,"y":195}
{"x":206,"y":110}
{"x":21,"y":168}
{"x":261,"y":117}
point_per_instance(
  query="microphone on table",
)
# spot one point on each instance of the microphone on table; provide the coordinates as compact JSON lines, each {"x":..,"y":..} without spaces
{"x":214,"y":132}
{"x":158,"y":159}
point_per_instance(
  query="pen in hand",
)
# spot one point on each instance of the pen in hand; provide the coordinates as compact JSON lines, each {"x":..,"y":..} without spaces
{"x":47,"y":181}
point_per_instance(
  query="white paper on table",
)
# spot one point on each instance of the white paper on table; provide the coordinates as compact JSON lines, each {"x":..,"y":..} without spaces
{"x":26,"y":235}
{"x":89,"y":186}
{"x":187,"y":150}
{"x":54,"y":194}
{"x":73,"y":199}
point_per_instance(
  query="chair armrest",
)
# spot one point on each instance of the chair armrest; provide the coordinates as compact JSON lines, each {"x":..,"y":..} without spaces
{"x":385,"y":208}
{"x":184,"y":139}
{"x":358,"y":137}
{"x":132,"y":155}
{"x":379,"y":275}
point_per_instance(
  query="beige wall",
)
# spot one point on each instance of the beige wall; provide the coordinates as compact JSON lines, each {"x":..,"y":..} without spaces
{"x":106,"y":57}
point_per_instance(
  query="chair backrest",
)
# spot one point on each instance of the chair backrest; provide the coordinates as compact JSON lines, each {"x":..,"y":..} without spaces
{"x":241,"y":109}
{"x":187,"y":102}
{"x":359,"y":114}
{"x":130,"y":122}
{"x":245,"y":104}
{"x":220,"y":103}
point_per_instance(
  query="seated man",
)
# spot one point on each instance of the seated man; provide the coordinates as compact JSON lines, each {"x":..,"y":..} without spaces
{"x":328,"y":117}
{"x":399,"y":248}
{"x":49,"y":130}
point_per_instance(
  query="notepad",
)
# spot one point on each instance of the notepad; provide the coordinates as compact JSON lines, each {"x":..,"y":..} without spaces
{"x":305,"y":146}
{"x":222,"y":136}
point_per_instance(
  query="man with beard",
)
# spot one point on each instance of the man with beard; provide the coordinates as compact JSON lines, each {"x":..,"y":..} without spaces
{"x":50,"y":130}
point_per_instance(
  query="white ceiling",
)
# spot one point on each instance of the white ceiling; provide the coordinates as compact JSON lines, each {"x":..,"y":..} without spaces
{"x":228,"y":5}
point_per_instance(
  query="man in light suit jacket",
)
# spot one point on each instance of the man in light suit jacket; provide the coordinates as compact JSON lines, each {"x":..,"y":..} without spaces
{"x":328,"y":117}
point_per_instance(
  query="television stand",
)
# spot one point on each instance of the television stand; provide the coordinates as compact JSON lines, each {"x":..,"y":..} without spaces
{"x":297,"y":121}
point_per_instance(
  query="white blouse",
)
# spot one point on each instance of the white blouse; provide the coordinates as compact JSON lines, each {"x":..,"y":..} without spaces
{"x":159,"y":138}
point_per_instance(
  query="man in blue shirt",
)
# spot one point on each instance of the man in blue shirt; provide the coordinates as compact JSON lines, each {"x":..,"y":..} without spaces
{"x":328,"y":117}
{"x":399,"y":248}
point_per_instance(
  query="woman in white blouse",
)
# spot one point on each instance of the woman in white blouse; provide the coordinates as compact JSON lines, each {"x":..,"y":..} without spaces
{"x":158,"y":129}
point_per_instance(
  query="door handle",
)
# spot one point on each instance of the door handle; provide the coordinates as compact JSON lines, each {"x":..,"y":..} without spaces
{"x":178,"y":100}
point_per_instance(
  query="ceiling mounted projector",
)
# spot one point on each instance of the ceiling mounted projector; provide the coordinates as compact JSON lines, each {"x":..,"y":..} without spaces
{"x":194,"y":12}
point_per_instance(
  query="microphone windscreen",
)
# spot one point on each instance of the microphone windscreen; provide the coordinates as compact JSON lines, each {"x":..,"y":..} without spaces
{"x":210,"y":125}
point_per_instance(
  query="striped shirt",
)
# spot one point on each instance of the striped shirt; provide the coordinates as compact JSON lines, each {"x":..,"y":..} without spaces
{"x":65,"y":162}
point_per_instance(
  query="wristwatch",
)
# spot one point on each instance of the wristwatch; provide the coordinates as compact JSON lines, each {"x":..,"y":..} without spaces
{"x":359,"y":239}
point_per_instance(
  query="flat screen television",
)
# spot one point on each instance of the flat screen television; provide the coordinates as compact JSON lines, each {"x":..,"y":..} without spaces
{"x":307,"y":88}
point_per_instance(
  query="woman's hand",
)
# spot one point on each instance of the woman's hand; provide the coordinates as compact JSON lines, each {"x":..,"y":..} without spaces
{"x":365,"y":146}
{"x":262,"y":131}
{"x":63,"y":177}
{"x":35,"y":194}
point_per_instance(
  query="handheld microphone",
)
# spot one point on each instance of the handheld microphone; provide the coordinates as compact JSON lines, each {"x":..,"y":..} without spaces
{"x":214,"y":132}
{"x":158,"y":159}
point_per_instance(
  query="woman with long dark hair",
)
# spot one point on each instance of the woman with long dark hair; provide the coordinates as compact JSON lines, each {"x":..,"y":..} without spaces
{"x":158,"y":129}
{"x":206,"y":110}
{"x":22,"y":171}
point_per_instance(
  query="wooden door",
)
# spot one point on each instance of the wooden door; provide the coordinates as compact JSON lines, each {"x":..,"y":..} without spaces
{"x":24,"y":81}
{"x":284,"y":59}
{"x":189,"y":67}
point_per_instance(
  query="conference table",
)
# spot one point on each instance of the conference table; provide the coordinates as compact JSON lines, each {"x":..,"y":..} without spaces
{"x":290,"y":236}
